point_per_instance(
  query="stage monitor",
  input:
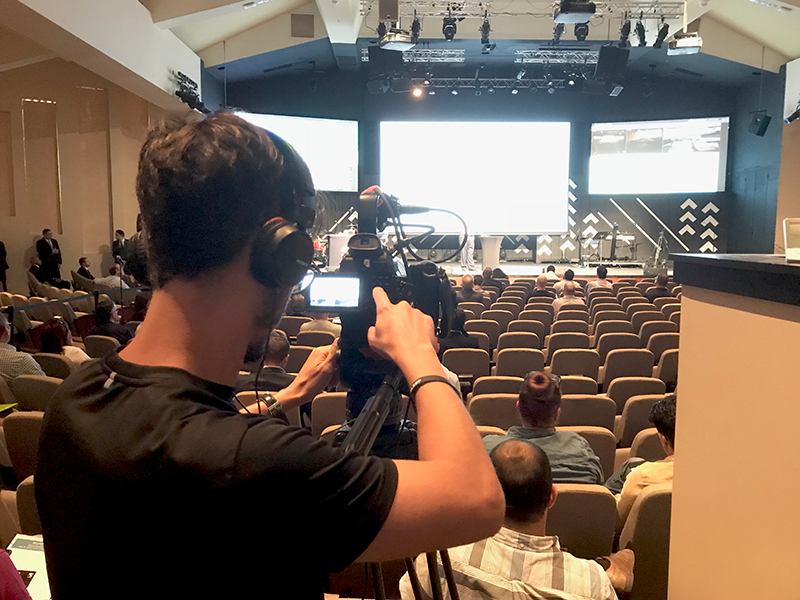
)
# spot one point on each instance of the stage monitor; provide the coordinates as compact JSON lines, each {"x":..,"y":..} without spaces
{"x":329,"y":147}
{"x":659,"y":157}
{"x":501,"y":177}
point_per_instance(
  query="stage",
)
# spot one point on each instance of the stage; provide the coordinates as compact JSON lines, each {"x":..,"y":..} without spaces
{"x":530,"y":269}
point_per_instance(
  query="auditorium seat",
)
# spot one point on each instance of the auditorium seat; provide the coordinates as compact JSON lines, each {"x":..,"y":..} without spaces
{"x":98,"y":346}
{"x":511,"y":307}
{"x":659,"y":303}
{"x":644,"y":285}
{"x":34,"y":392}
{"x":615,"y":341}
{"x":607,"y":312}
{"x":575,"y":361}
{"x":517,"y":339}
{"x":567,"y":313}
{"x":483,"y":339}
{"x":629,"y":295}
{"x":568,"y":326}
{"x":314,"y":338}
{"x":640,"y":318}
{"x":634,"y":418}
{"x":647,"y":445}
{"x":476,"y":307}
{"x":298,"y":355}
{"x":630,"y":300}
{"x":626,"y":362}
{"x":661,"y":342}
{"x":55,"y":365}
{"x":496,"y":384}
{"x":518,"y":362}
{"x":467,"y":362}
{"x":670,"y":309}
{"x":530,"y":326}
{"x":650,"y":328}
{"x":503,"y":318}
{"x":327,"y":409}
{"x":468,"y":315}
{"x":21,"y":430}
{"x":488,"y":326}
{"x":84,"y":325}
{"x":676,"y":318}
{"x":543,"y":316}
{"x":623,"y":388}
{"x":586,"y":409}
{"x":485,"y":430}
{"x":583,"y":518}
{"x":27,"y":511}
{"x":497,"y":410}
{"x":667,"y":368}
{"x":602,"y":442}
{"x":534,"y":300}
{"x":598,"y":300}
{"x":614,"y":326}
{"x":558,"y":341}
{"x":576,"y":384}
{"x":291,"y":325}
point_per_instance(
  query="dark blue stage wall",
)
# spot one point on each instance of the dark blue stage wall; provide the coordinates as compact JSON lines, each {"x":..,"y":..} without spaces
{"x":740,"y":219}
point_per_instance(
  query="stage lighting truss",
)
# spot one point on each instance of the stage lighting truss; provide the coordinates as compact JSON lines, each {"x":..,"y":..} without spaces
{"x":493,"y":83}
{"x":420,"y":55}
{"x":556,"y":57}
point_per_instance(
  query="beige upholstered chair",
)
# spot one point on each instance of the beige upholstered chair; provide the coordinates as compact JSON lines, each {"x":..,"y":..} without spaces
{"x":676,"y":318}
{"x":584,"y":409}
{"x":298,"y":355}
{"x":570,"y":326}
{"x":34,"y":392}
{"x":651,"y":328}
{"x":511,"y":307}
{"x":488,"y":326}
{"x":467,"y":362}
{"x":483,"y":340}
{"x":583,"y":518}
{"x":661,"y":342}
{"x":55,"y":365}
{"x":632,"y":299}
{"x":98,"y":346}
{"x":327,"y":409}
{"x":626,"y":362}
{"x":291,"y":325}
{"x":22,"y":431}
{"x":517,"y":339}
{"x":604,"y":327}
{"x":575,"y":361}
{"x":667,"y":368}
{"x":503,"y":318}
{"x":623,"y":388}
{"x":496,"y":384}
{"x":602,"y":442}
{"x":476,"y":307}
{"x":497,"y":410}
{"x":29,"y":522}
{"x":660,"y":303}
{"x":485,"y":430}
{"x":518,"y":362}
{"x":574,"y":384}
{"x":670,"y":309}
{"x":615,"y":341}
{"x":647,"y":445}
{"x":557,"y":341}
{"x":634,"y":418}
{"x":537,"y":314}
{"x":527,"y":325}
{"x":643,"y":316}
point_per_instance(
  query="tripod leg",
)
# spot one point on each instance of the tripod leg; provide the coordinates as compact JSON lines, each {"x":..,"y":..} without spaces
{"x":433,"y":571}
{"x":413,"y":579}
{"x":377,"y":581}
{"x":448,"y":574}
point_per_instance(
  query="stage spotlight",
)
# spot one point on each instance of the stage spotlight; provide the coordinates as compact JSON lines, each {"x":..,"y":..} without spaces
{"x":625,"y":33}
{"x":521,"y":74}
{"x":477,"y":92}
{"x":551,"y":87}
{"x":640,"y":33}
{"x":490,"y":89}
{"x":416,"y":26}
{"x":485,"y":29}
{"x":431,"y":92}
{"x":581,"y":31}
{"x":427,"y":79}
{"x":662,"y":34}
{"x":449,"y":27}
{"x":558,"y":31}
{"x":454,"y":91}
{"x":417,"y":92}
{"x":514,"y":91}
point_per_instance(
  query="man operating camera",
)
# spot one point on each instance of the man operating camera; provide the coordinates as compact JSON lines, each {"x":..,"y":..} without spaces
{"x":152,"y":485}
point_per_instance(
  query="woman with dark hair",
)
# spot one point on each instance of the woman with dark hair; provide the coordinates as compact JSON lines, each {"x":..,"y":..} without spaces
{"x":458,"y":336}
{"x":56,"y":338}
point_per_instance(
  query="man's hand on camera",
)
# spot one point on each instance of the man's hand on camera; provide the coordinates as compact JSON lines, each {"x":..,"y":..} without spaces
{"x":403,"y":335}
{"x":313,"y":378}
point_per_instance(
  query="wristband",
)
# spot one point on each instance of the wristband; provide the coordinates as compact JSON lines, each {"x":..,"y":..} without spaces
{"x":274,"y":407}
{"x":430,"y":379}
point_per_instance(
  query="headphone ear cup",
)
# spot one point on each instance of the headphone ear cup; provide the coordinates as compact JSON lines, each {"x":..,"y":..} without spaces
{"x":281,"y":254}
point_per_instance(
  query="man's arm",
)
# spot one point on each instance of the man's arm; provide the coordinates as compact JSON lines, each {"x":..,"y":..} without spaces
{"x":451,"y":496}
{"x":312,"y":379}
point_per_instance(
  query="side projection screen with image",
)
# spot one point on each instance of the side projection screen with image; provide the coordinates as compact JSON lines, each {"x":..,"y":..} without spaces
{"x":659,"y":157}
{"x":501,"y":178}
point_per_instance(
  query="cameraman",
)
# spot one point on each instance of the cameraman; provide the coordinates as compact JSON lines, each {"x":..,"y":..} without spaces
{"x":150,"y":484}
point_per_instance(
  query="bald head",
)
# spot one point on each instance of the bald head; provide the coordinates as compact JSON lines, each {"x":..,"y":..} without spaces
{"x":524,"y":474}
{"x":541,"y":282}
{"x":467,"y":282}
{"x":487,"y":272}
{"x":569,"y":289}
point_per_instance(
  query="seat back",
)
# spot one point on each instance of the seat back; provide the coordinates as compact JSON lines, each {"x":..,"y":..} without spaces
{"x":37,"y":312}
{"x":602,"y":441}
{"x":55,"y":365}
{"x":483,"y":340}
{"x":667,"y":369}
{"x":518,"y":340}
{"x":566,"y":326}
{"x":645,"y":316}
{"x":660,"y":303}
{"x":518,"y":362}
{"x":511,"y":307}
{"x":467,"y":362}
{"x":503,"y":318}
{"x":627,"y":362}
{"x":291,"y":325}
{"x":566,"y":340}
{"x":100,"y":345}
{"x":84,"y":324}
{"x":488,"y":326}
{"x":575,"y":361}
{"x":34,"y":392}
{"x":315,"y":338}
{"x":583,"y":518}
{"x":670,"y":309}
{"x":29,"y":522}
{"x":644,"y":285}
{"x":585,"y":409}
{"x":537,"y":314}
{"x":646,"y":532}
{"x":476,"y":307}
{"x":608,"y":315}
{"x":498,"y":384}
{"x":577,"y":384}
{"x":22,"y":430}
{"x":635,"y":418}
{"x":650,"y":328}
{"x":298,"y":355}
{"x":633,"y":299}
{"x":603,"y":327}
{"x":661,"y":342}
{"x":614,"y":341}
{"x":497,"y":410}
{"x":623,"y":388}
{"x":327,"y":409}
{"x":676,"y":318}
{"x":536,"y":327}
{"x":572,"y":312}
{"x":6,"y":395}
{"x":647,"y":445}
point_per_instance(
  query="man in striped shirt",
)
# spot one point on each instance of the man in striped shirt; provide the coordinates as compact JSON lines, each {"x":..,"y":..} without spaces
{"x":520,"y":561}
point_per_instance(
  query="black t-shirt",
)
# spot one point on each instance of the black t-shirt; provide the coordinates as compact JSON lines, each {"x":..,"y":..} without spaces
{"x":657,"y":292}
{"x":543,"y":294}
{"x":151,"y":485}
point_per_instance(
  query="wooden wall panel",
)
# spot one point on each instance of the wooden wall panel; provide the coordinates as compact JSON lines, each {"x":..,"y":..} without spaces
{"x":42,"y":179}
{"x":94,"y":174}
{"x":7,"y":206}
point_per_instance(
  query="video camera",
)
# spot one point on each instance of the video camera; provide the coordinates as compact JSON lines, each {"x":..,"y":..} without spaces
{"x":367,"y":264}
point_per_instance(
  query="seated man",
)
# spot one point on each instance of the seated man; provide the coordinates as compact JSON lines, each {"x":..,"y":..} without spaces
{"x":662,"y":415}
{"x":489,"y":280}
{"x":569,"y":297}
{"x":571,"y":458}
{"x":273,"y":376}
{"x":83,"y":268}
{"x":106,"y":322}
{"x":37,"y":271}
{"x":541,"y":290}
{"x":521,"y":561}
{"x":660,"y":290}
{"x":468,"y":293}
{"x":321,"y":323}
{"x":600,"y":282}
{"x":114,"y":279}
{"x":550,"y":273}
{"x":297,"y":306}
{"x":12,"y":362}
{"x":569,"y":275}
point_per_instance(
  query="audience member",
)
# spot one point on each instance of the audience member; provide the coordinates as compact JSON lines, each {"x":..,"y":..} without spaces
{"x":3,"y":266}
{"x":50,"y":255}
{"x":468,"y":293}
{"x":550,"y":273}
{"x":601,"y":281}
{"x":140,"y":305}
{"x":662,"y":415}
{"x":660,"y":290}
{"x":490,"y":280}
{"x":120,"y":247}
{"x":321,"y":322}
{"x":56,"y":338}
{"x":571,"y":458}
{"x":297,"y":306}
{"x":14,"y":363}
{"x":106,"y":318}
{"x":83,"y":268}
{"x":457,"y":337}
{"x":569,"y":275}
{"x":37,"y":271}
{"x":478,"y":280}
{"x":569,"y":297}
{"x":498,"y":273}
{"x":273,"y":376}
{"x":521,"y":561}
{"x":541,"y":291}
{"x":114,"y":279}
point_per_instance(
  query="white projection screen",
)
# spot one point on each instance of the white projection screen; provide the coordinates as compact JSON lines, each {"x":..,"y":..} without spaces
{"x":329,"y":147}
{"x":501,"y":177}
{"x":659,"y":157}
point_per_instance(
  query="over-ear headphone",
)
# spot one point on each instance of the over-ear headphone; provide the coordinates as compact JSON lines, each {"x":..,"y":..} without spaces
{"x":282,"y":251}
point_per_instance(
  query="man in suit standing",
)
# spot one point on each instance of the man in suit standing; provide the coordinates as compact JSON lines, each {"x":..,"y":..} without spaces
{"x":50,"y":255}
{"x":120,"y":246}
